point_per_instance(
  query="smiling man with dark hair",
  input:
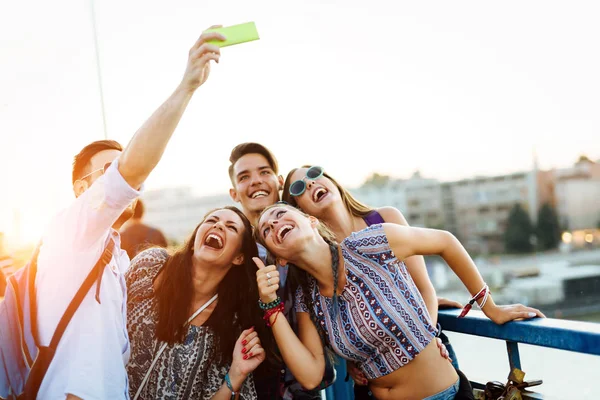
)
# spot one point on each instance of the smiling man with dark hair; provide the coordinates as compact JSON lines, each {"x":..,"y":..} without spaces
{"x":256,"y":184}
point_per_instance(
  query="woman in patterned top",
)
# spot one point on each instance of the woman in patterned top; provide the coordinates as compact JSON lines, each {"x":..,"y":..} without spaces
{"x":315,"y":192}
{"x":208,"y":355}
{"x":362,"y":301}
{"x":323,"y":197}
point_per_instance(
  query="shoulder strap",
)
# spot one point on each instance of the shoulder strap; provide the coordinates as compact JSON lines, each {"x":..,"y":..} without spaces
{"x":202,"y":308}
{"x":80,"y":295}
{"x":32,"y":297}
{"x":164,"y":345}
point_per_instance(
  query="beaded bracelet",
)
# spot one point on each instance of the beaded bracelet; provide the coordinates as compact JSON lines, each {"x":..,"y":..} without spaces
{"x":268,"y":306}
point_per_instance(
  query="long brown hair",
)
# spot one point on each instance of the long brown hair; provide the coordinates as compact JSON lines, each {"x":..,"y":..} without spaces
{"x":236,"y":309}
{"x":356,"y":208}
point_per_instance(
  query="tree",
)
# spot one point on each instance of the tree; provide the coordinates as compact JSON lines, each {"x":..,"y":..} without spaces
{"x":548,"y":228}
{"x":377,"y":180}
{"x":583,"y":158}
{"x":518,"y":231}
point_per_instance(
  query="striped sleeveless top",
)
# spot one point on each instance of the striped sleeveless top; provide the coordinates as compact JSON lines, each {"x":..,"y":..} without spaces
{"x":381,"y":322}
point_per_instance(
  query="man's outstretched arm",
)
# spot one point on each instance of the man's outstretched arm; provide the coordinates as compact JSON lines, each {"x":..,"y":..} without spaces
{"x":145,"y":149}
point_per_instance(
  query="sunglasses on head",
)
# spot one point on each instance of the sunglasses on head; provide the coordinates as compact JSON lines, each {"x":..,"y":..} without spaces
{"x":298,"y":187}
{"x":103,"y":169}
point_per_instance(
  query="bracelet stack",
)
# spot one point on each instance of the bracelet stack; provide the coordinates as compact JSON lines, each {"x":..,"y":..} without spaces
{"x":274,"y":307}
{"x":484,"y":293}
{"x":268,"y":306}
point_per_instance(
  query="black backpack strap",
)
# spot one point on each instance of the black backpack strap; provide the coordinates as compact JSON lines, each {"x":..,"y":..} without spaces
{"x":46,"y":353}
{"x":32,"y":297}
{"x":94,"y":275}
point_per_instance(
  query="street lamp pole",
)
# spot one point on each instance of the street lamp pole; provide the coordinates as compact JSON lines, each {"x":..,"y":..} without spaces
{"x":97,"y":52}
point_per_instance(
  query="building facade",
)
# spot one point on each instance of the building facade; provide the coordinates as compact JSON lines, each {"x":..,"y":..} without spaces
{"x":476,"y":210}
{"x":177,"y":211}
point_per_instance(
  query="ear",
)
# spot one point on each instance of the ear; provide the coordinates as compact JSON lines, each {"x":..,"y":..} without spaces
{"x":239,"y":259}
{"x":234,"y":195}
{"x":280,"y":181}
{"x":314,"y":222}
{"x":281,"y":261}
{"x":79,"y":187}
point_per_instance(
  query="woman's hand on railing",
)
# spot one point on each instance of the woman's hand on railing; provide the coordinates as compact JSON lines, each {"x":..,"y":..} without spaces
{"x":503,"y":314}
{"x":447,"y":303}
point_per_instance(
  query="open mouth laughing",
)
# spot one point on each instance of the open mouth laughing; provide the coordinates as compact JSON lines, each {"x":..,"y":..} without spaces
{"x":319,"y":194}
{"x":214,"y":241}
{"x":283,"y":232}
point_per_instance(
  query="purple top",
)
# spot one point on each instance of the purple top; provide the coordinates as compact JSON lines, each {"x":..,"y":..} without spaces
{"x":373,"y":218}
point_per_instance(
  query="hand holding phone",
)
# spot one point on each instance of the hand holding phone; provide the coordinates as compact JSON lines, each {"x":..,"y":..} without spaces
{"x":235,"y":34}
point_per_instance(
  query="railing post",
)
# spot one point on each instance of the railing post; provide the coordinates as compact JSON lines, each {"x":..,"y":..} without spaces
{"x":513,"y":354}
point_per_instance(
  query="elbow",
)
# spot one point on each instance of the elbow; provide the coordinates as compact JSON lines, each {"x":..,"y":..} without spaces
{"x":313,"y":379}
{"x":450,"y":239}
{"x":310,"y":383}
{"x":448,"y":244}
{"x":134,"y":175}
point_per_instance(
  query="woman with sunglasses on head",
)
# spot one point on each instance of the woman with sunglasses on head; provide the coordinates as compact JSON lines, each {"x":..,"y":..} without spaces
{"x":318,"y":194}
{"x":331,"y":203}
{"x":194,"y":326}
{"x":360,"y":300}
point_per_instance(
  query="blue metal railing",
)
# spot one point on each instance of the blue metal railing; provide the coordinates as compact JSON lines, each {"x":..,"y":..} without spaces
{"x":581,"y":337}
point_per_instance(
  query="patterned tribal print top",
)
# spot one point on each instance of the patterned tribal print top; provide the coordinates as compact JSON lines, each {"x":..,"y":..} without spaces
{"x":184,"y":371}
{"x":381,"y":321}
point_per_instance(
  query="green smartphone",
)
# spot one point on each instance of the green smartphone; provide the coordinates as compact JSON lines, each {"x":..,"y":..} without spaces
{"x":235,"y":34}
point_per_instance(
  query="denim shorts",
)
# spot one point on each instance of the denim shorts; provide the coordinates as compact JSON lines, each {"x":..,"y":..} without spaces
{"x":446,"y":394}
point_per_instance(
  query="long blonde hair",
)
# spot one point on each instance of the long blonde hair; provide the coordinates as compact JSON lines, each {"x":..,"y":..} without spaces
{"x":353,"y":205}
{"x":300,"y":279}
{"x":324,"y":231}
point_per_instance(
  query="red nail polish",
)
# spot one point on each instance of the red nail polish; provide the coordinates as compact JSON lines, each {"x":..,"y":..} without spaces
{"x":244,"y":342}
{"x":245,"y":356}
{"x":244,"y":350}
{"x":250,"y":355}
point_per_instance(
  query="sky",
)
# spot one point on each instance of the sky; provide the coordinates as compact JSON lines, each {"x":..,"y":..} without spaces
{"x":452,"y":89}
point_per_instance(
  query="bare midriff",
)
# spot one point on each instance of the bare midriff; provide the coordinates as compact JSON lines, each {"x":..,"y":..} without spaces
{"x":427,"y":374}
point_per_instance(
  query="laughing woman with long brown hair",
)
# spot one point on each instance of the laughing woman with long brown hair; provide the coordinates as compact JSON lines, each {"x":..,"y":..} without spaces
{"x":193,"y":323}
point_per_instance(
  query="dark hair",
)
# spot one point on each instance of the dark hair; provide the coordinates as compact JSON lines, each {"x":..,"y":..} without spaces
{"x":356,"y":208}
{"x":299,"y":278}
{"x":81,"y":161}
{"x":236,"y":310}
{"x":138,"y":212}
{"x":251,"y":148}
